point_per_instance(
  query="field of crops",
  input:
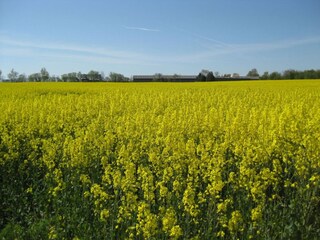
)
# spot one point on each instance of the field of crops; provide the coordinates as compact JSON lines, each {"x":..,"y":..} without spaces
{"x":232,"y":160}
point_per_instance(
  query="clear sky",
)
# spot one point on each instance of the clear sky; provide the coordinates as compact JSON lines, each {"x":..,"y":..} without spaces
{"x":152,"y":36}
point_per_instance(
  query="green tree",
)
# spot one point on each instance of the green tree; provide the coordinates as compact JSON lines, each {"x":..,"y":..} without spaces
{"x":253,"y":73}
{"x":201,"y":78}
{"x":94,"y":76}
{"x":117,"y":77}
{"x":210,"y":77}
{"x":311,"y":74}
{"x":44,"y":75}
{"x":204,"y":72}
{"x":289,"y":74}
{"x":265,"y":76}
{"x":13,"y":75}
{"x":82,"y":77}
{"x":22,"y":78}
{"x":34,"y":77}
{"x":54,"y":78}
{"x":103,"y":76}
{"x":69,"y":77}
{"x":158,"y":77}
{"x":300,"y":75}
{"x":174,"y":78}
{"x":275,"y":76}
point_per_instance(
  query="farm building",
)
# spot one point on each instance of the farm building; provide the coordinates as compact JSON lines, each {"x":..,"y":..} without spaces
{"x":164,"y":78}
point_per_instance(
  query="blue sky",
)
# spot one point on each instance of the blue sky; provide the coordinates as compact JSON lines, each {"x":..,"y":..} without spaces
{"x":167,"y":36}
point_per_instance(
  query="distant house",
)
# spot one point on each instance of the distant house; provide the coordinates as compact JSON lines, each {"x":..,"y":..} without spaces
{"x":164,"y":78}
{"x":235,"y":75}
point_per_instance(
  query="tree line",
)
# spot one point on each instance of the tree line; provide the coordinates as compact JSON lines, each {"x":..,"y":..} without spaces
{"x":44,"y":76}
{"x":206,"y":75}
{"x":95,"y":76}
{"x":287,"y":74}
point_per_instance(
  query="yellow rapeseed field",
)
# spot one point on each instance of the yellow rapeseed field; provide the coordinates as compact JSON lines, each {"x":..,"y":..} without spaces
{"x":218,"y":160}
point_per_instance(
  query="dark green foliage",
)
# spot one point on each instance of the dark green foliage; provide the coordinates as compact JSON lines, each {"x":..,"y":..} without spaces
{"x":117,"y":77}
{"x":201,"y":77}
{"x":253,"y":73}
{"x":210,"y":77}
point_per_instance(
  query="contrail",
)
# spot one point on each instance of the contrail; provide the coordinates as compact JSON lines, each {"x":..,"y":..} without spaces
{"x":142,"y":29}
